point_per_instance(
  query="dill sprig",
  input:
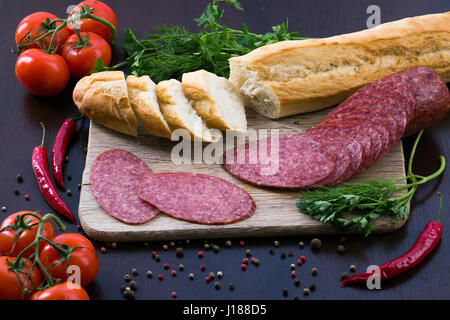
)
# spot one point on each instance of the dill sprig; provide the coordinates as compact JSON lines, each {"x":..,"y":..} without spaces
{"x":173,"y":50}
{"x":368,"y":200}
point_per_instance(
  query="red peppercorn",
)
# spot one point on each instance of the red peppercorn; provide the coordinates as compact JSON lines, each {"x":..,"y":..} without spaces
{"x":208,"y":279}
{"x":154,"y":254}
{"x":342,"y":240}
{"x":253,"y":259}
{"x":66,"y":159}
{"x":202,"y":267}
{"x":299,"y":262}
{"x":79,"y":227}
{"x":173,"y":273}
{"x":160,"y":277}
{"x":243,"y":267}
{"x":291,"y":253}
{"x":174,"y":294}
{"x":200,"y":254}
{"x":108,"y":244}
{"x":293,"y":274}
{"x":303,"y":258}
{"x":242,"y":243}
{"x":166,"y":266}
{"x":103,"y":249}
{"x":165,"y":247}
{"x":245,"y":261}
{"x":27,"y":197}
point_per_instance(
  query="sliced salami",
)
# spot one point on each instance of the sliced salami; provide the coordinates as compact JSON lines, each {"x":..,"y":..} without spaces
{"x":115,"y":175}
{"x":286,"y":161}
{"x":353,"y":147}
{"x":196,"y":198}
{"x":336,"y":144}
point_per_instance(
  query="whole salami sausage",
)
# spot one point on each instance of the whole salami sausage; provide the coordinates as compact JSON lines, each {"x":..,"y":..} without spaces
{"x":196,"y":198}
{"x":115,"y":175}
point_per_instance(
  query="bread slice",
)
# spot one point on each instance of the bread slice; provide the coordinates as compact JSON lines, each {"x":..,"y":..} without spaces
{"x":292,"y":77}
{"x":216,"y":100}
{"x":180,"y":114}
{"x":142,"y":94}
{"x":103,"y":98}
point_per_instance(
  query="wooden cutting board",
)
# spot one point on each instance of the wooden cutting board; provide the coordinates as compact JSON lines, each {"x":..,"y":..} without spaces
{"x":276,"y":213}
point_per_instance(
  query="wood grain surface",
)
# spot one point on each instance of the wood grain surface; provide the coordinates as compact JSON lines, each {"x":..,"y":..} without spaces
{"x":276,"y":213}
{"x":20,"y":132}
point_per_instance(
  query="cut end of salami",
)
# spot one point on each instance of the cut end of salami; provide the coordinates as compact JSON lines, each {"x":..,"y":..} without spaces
{"x":196,"y":198}
{"x":115,"y":175}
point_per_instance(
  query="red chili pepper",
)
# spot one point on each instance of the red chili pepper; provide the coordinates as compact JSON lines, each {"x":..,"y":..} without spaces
{"x":68,"y":128}
{"x":427,"y":241}
{"x":48,"y":190}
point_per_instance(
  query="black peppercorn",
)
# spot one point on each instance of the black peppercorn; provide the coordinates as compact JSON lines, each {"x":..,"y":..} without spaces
{"x":312,"y":288}
{"x":344,"y":275}
{"x":19,"y":178}
{"x":285,"y":292}
{"x":340,"y":249}
{"x":133,"y":285}
{"x":179,"y":252}
{"x":316,"y":243}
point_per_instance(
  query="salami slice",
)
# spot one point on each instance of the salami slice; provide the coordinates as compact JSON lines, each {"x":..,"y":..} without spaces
{"x":286,"y":161}
{"x":353,"y":147}
{"x":336,"y":144}
{"x":196,"y":198}
{"x":114,"y":177}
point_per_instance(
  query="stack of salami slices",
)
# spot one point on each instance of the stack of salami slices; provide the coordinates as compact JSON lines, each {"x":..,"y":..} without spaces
{"x":350,"y":139}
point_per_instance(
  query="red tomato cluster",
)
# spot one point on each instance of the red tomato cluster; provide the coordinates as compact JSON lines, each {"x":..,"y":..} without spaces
{"x":44,"y":68}
{"x":83,"y":257}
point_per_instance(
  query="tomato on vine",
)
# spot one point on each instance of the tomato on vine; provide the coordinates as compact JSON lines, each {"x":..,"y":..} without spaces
{"x":17,"y":285}
{"x":42,"y":73}
{"x":80,"y":253}
{"x":63,"y":291}
{"x":99,"y":10}
{"x":82,"y":51}
{"x":22,"y":232}
{"x":34,"y":26}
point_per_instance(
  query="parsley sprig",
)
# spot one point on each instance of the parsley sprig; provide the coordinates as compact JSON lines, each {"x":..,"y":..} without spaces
{"x":173,"y":50}
{"x":368,"y":200}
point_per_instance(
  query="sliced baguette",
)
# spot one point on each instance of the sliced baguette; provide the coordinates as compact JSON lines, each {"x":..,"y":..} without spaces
{"x":103,"y":98}
{"x":216,"y":100}
{"x":180,"y":114}
{"x":292,"y":77}
{"x":142,"y":94}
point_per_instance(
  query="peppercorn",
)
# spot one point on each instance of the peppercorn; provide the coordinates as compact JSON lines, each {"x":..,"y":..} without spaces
{"x":219,"y":274}
{"x":216,"y":248}
{"x":79,"y":227}
{"x":231,"y":286}
{"x":344,"y":275}
{"x":212,"y":275}
{"x":4,"y":209}
{"x":128,"y":294}
{"x":296,"y":298}
{"x":242,"y":243}
{"x":297,"y":282}
{"x":127,"y":278}
{"x":276,"y":244}
{"x":174,"y":295}
{"x":160,"y":277}
{"x":290,"y":253}
{"x":303,"y":258}
{"x":181,"y":267}
{"x":271,"y":251}
{"x":206,"y":246}
{"x":27,"y":197}
{"x":200,"y":254}
{"x":248,"y":253}
{"x":69,"y":177}
{"x":293,"y":274}
{"x":340,"y":249}
{"x":66,"y":159}
{"x":316,"y":243}
{"x":172,"y":244}
{"x":312,"y":288}
{"x":342,"y":240}
{"x":179,"y":252}
{"x":228,"y":244}
{"x":103,"y":250}
{"x":16,"y":192}
{"x":283,"y":255}
{"x":149,"y":274}
{"x":166,"y":266}
{"x":243,"y":267}
{"x":208,"y":279}
{"x":191,"y":276}
{"x":133,"y":285}
{"x":146,"y":244}
{"x":154,"y":254}
{"x":173,"y":273}
{"x":202,"y":267}
{"x":19,"y":178}
{"x":301,"y":245}
{"x":306,"y":291}
{"x":256,"y":262}
{"x":245,"y":261}
{"x":157,"y":258}
{"x":285,"y":292}
{"x":217,"y":285}
{"x":314,"y":271}
{"x":165,"y":247}
{"x":292,"y":267}
{"x":113,"y":245}
{"x":352,"y":268}
{"x":188,"y":241}
{"x":299,"y":262}
{"x":122,"y":288}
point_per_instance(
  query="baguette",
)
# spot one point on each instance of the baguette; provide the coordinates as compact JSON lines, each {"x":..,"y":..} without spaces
{"x":180,"y":114}
{"x":292,"y":77}
{"x":103,"y":98}
{"x":142,"y":94}
{"x":216,"y":100}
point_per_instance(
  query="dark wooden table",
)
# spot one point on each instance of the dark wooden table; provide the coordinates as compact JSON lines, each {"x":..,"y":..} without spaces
{"x":20,"y":132}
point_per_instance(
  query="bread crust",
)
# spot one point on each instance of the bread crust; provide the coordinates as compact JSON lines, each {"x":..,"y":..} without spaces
{"x":103,"y":98}
{"x":308,"y":75}
{"x":142,"y":94}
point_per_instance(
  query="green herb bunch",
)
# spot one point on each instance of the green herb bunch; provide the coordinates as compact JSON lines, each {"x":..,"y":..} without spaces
{"x":171,"y":51}
{"x":368,"y":200}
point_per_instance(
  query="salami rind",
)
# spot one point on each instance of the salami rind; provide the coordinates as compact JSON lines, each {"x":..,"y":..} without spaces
{"x":196,"y":198}
{"x":299,"y":161}
{"x":336,"y":144}
{"x":114,"y":177}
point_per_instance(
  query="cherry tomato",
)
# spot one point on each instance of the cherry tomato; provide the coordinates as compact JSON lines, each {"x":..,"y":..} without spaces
{"x":32,"y":23}
{"x":82,"y":61}
{"x":63,"y":291}
{"x":25,"y":238}
{"x":10,"y":286}
{"x":101,"y":10}
{"x":85,"y":258}
{"x":41,"y":73}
